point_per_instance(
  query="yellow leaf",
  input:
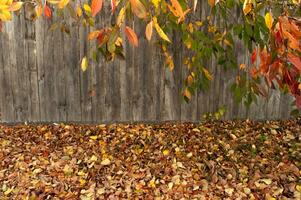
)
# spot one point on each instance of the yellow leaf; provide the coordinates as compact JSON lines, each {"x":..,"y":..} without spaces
{"x":16,"y":6}
{"x":121,"y":16}
{"x":268,"y":20}
{"x":227,"y":42}
{"x":105,"y":162}
{"x":93,"y":158}
{"x":4,"y":7}
{"x":93,"y":137}
{"x":7,"y":192}
{"x":87,"y":8}
{"x":79,"y":11}
{"x":93,"y":35}
{"x":81,"y":173}
{"x":3,"y":2}
{"x":211,"y":2}
{"x":199,"y":23}
{"x":298,"y":188}
{"x":63,"y":3}
{"x":84,"y":64}
{"x":207,"y":74}
{"x":152,"y":183}
{"x":67,"y":170}
{"x":149,"y":30}
{"x":39,"y":10}
{"x":160,"y":31}
{"x":188,"y":43}
{"x":166,"y":152}
{"x":118,"y":41}
{"x":82,"y":182}
{"x":156,"y":3}
{"x":5,"y":15}
{"x":189,"y":155}
{"x":69,"y":150}
{"x":53,"y":1}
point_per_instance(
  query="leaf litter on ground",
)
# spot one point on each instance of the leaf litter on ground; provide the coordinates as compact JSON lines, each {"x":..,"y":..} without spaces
{"x":211,"y":160}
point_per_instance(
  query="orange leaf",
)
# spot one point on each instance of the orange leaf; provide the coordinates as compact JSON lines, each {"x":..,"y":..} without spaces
{"x":292,"y":41}
{"x":253,"y":72}
{"x":295,"y":60}
{"x":93,"y":35}
{"x":177,"y":6}
{"x":187,"y":94}
{"x":189,"y":80}
{"x":138,"y":9}
{"x":131,"y":35}
{"x":177,"y":10}
{"x":149,"y":30}
{"x":295,"y":30}
{"x":242,"y":66}
{"x":47,"y":12}
{"x":96,"y":7}
{"x":211,"y":2}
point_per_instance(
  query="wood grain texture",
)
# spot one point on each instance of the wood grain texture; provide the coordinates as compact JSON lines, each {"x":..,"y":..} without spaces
{"x":41,"y":79}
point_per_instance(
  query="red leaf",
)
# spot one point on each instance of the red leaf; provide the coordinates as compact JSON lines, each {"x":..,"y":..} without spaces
{"x":101,"y":37}
{"x":47,"y":12}
{"x":278,"y":37}
{"x":131,"y":35}
{"x":0,"y":26}
{"x":96,"y":7}
{"x":295,"y":60}
{"x":253,"y":56}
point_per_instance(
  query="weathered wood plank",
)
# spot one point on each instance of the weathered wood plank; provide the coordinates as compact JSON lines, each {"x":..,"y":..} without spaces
{"x":7,"y":67}
{"x":21,"y":77}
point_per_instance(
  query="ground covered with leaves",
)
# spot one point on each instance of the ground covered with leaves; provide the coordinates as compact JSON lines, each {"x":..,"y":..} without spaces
{"x":212,"y":160}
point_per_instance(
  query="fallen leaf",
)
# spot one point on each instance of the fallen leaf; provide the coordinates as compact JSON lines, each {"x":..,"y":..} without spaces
{"x":105,"y":162}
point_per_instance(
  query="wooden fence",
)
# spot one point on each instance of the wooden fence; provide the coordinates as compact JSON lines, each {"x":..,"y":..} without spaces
{"x":41,"y":80}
